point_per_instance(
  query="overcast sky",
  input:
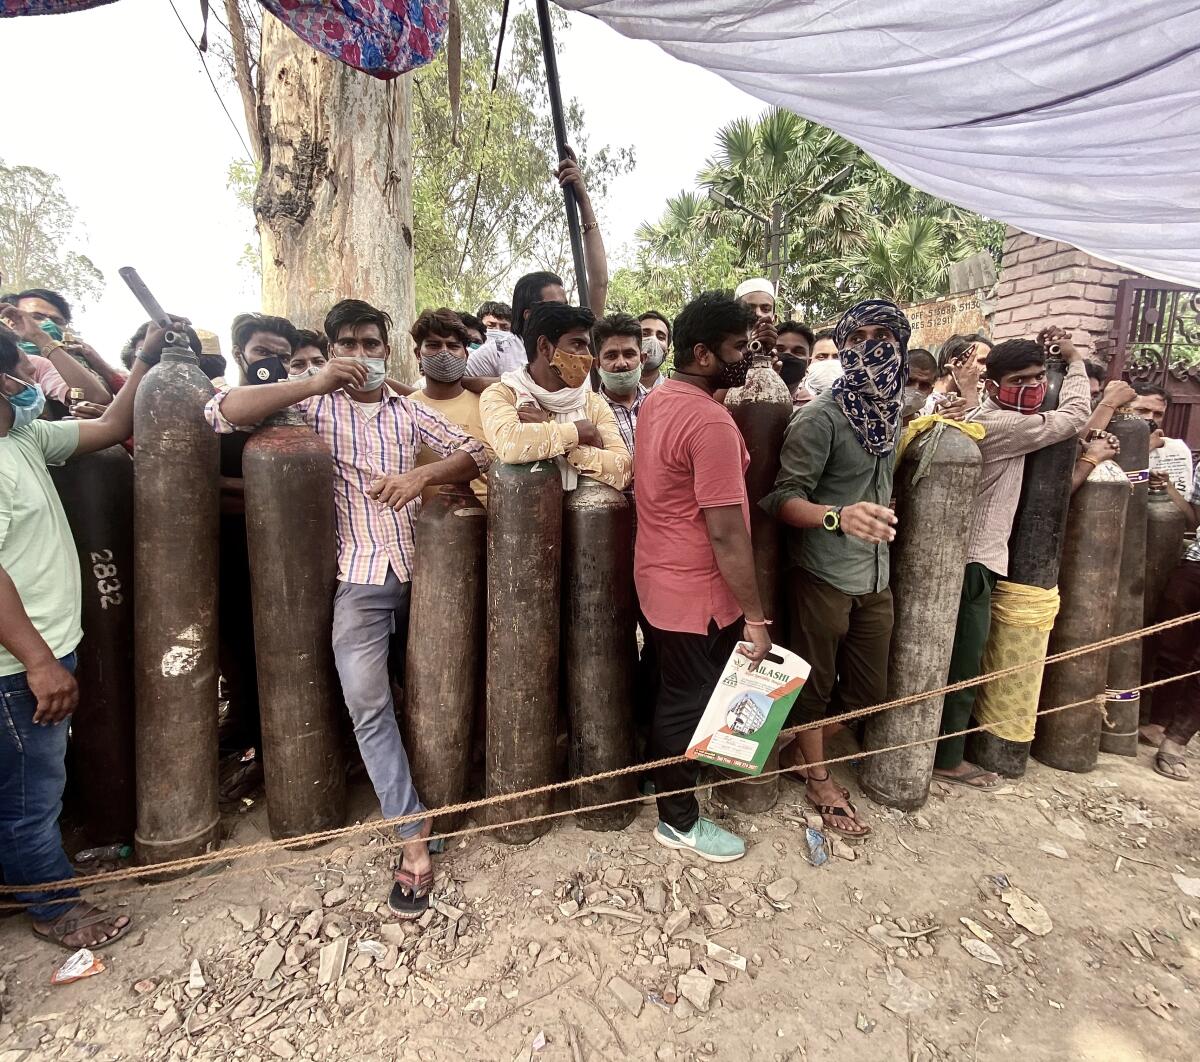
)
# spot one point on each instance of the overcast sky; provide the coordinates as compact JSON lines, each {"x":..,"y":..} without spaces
{"x":118,"y":106}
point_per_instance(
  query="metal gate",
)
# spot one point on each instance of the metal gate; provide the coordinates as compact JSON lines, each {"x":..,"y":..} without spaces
{"x":1157,"y":340}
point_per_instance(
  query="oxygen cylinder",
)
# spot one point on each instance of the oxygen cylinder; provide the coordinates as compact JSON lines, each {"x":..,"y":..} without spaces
{"x":287,"y":473}
{"x":599,"y":648}
{"x":1070,"y":740}
{"x":524,"y":563}
{"x":761,"y":408}
{"x":936,"y":483}
{"x":1120,"y":734}
{"x":445,"y":646}
{"x":175,"y":617}
{"x":96,"y":491}
{"x":1034,"y":553}
{"x":1165,"y":528}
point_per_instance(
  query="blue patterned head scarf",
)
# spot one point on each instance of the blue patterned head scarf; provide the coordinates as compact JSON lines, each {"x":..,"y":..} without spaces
{"x":874,"y":373}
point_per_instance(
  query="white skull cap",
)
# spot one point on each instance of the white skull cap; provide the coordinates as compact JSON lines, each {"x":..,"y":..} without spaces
{"x":756,"y":284}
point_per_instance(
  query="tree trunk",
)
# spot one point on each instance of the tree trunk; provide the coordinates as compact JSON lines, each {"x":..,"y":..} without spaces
{"x":334,"y":203}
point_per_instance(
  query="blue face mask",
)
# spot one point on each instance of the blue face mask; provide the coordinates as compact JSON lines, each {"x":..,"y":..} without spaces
{"x":47,"y":326}
{"x":27,"y":405}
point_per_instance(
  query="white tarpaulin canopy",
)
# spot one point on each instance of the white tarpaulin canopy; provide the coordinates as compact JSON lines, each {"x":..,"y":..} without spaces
{"x":1078,"y":120}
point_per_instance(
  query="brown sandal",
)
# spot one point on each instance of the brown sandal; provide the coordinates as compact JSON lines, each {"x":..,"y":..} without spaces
{"x":82,"y":916}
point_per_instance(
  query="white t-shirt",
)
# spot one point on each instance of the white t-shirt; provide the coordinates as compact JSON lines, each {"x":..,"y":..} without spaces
{"x":1174,"y":458}
{"x":500,"y":354}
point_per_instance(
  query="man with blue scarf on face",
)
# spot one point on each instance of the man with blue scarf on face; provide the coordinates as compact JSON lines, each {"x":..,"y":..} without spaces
{"x":832,"y":495}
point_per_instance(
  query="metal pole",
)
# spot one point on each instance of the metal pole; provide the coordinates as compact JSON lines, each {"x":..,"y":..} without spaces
{"x":775,"y":242}
{"x":560,"y":138}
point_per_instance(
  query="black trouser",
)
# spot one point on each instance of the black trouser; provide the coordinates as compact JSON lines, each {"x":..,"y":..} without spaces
{"x":689,"y":667}
{"x":235,"y":623}
{"x":1177,"y":705}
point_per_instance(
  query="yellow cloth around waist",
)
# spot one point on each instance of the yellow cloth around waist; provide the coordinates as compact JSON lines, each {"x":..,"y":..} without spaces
{"x":1022,"y":618}
{"x":918,"y":425}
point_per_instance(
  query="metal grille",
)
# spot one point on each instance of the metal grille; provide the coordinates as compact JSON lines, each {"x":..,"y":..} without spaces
{"x":1157,"y":334}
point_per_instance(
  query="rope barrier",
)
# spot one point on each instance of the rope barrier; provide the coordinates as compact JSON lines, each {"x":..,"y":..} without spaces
{"x":176,"y":867}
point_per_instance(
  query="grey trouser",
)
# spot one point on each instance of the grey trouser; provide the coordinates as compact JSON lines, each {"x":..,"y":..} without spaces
{"x":364,"y":619}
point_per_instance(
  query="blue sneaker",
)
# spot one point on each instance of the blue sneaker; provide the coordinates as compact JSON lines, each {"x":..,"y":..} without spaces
{"x":706,"y":839}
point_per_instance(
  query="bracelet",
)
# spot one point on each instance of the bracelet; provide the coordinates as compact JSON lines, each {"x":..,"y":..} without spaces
{"x":1090,"y":460}
{"x":758,"y":623}
{"x":588,"y":226}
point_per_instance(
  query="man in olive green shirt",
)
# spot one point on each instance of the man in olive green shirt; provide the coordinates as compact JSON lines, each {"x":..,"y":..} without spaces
{"x":39,"y":630}
{"x":832,"y":493}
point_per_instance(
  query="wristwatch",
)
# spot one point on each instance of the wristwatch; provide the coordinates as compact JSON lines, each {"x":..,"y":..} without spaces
{"x":832,"y":520}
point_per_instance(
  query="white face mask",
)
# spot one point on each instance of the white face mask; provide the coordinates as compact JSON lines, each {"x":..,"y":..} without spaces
{"x":376,"y":372}
{"x":821,"y":375}
{"x":303,"y":374}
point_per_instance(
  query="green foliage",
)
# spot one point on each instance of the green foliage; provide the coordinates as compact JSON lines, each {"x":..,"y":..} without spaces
{"x":518,"y":221}
{"x":242,"y":179}
{"x":37,"y":231}
{"x":870,"y":234}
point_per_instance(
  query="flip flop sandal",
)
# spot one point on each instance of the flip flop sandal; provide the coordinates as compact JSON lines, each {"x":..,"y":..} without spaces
{"x":966,"y":779}
{"x":1164,"y":760}
{"x":799,"y":774}
{"x":848,"y":812}
{"x":71,"y":922}
{"x":409,"y":897}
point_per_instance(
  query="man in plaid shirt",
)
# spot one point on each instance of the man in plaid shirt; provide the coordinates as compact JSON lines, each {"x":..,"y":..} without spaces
{"x":374,"y":436}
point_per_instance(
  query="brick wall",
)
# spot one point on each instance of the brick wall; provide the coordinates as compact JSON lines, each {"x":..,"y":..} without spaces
{"x":1043,"y":283}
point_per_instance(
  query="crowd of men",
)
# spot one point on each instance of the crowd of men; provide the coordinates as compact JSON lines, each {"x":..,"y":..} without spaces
{"x":537,"y":380}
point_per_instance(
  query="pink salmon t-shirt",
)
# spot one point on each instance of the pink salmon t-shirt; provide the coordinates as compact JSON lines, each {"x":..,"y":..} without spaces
{"x":690,"y":456}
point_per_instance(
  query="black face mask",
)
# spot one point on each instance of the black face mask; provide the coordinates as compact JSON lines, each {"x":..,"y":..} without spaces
{"x":791,"y":371}
{"x":268,"y":370}
{"x":733,"y":373}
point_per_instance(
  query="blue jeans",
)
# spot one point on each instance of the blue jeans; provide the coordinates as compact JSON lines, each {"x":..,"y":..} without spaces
{"x":33,"y":774}
{"x":364,"y":619}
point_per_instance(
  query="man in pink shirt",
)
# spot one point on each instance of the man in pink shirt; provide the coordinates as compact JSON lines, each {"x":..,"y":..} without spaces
{"x":693,"y":564}
{"x":374,"y":436}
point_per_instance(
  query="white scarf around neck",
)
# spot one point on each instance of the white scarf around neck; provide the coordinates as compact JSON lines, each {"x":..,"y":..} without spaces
{"x":565,"y":406}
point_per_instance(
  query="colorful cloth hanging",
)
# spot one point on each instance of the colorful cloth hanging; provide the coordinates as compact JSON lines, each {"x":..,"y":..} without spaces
{"x":13,"y":8}
{"x":383,"y":38}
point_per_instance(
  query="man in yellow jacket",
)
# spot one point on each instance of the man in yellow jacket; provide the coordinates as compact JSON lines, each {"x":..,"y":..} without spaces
{"x":546,"y":410}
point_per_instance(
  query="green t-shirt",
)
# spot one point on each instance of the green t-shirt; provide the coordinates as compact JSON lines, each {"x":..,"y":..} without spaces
{"x":36,"y":547}
{"x":823,"y":462}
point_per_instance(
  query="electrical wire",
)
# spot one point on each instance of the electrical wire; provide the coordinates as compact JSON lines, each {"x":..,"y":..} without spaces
{"x":208,"y":74}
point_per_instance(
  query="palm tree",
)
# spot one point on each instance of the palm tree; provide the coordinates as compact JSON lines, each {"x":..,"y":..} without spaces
{"x":870,"y":234}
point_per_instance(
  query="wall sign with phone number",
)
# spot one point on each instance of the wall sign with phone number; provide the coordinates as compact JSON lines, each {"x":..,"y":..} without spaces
{"x":107,"y":583}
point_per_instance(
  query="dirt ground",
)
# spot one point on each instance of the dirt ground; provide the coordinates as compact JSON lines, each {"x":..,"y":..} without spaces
{"x":589,"y":946}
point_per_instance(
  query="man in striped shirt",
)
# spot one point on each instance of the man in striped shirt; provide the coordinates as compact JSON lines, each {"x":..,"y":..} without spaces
{"x":374,"y":435}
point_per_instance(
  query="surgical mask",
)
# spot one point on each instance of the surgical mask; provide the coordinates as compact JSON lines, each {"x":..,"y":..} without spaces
{"x":497,"y":333}
{"x":572,"y":369}
{"x":655,"y":353}
{"x":443,"y":367}
{"x":304,"y":374}
{"x":27,"y":405}
{"x":266,"y":370}
{"x":622,"y":383}
{"x":474,"y":346}
{"x":376,"y":372}
{"x":821,"y":375}
{"x":1023,"y":398}
{"x":47,"y":326}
